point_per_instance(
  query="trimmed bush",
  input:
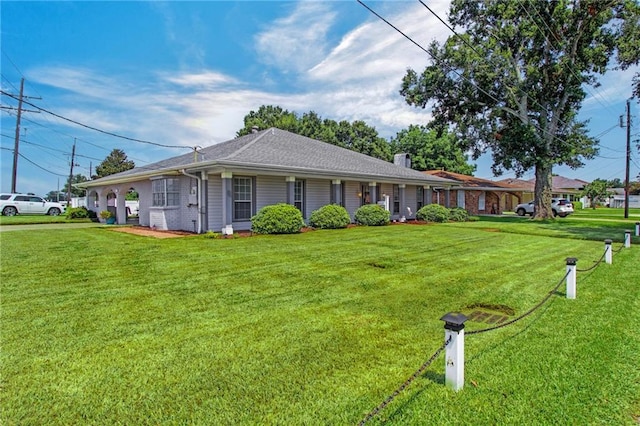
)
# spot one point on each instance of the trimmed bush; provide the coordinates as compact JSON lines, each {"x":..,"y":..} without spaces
{"x":277,"y":219}
{"x":79,"y":213}
{"x":458,"y":214}
{"x":372,"y":215}
{"x":331,"y":216}
{"x":577,"y":205}
{"x":433,"y":213}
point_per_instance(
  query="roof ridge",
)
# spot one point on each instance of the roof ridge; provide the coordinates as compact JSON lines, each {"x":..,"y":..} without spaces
{"x":248,"y":145}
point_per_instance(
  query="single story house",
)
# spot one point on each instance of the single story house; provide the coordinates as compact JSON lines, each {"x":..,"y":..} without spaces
{"x":222,"y":186}
{"x":479,"y":196}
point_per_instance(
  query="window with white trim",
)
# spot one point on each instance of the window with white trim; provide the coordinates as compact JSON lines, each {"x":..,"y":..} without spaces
{"x":461,"y":199}
{"x":482,"y":201}
{"x":420,"y":197}
{"x":242,"y":198}
{"x":165,"y":192}
{"x":298,"y":195}
{"x":396,"y":199}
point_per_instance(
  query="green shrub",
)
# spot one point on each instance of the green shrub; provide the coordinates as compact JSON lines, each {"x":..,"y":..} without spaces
{"x":433,"y":213}
{"x":277,"y":219}
{"x":577,"y":205}
{"x":331,"y":216}
{"x":212,"y":235}
{"x":372,"y":215}
{"x":79,"y":213}
{"x":458,"y":214}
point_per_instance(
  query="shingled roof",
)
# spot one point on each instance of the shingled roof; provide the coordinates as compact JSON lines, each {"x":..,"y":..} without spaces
{"x":472,"y":182}
{"x":276,"y":150}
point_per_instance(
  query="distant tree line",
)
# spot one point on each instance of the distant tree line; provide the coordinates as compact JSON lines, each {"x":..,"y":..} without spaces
{"x":428,"y":148}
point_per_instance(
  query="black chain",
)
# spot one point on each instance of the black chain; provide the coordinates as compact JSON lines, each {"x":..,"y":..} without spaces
{"x":619,"y":249}
{"x":596,"y":264}
{"x":402,"y":387}
{"x":529,"y":312}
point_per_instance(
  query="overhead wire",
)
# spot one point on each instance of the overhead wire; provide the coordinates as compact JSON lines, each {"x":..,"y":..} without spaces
{"x":95,"y":128}
{"x":522,"y":6}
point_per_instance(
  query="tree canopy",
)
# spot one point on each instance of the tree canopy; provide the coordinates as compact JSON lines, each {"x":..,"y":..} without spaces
{"x":115,"y":162}
{"x":356,"y":136}
{"x":596,"y":191}
{"x":430,"y":151}
{"x":513,"y":83}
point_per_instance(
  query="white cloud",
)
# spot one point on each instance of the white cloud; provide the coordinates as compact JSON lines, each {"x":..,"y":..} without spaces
{"x":298,"y":41}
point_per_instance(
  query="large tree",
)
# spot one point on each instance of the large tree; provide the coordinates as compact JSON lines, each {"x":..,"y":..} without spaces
{"x":115,"y":162}
{"x":513,"y":77}
{"x":430,"y":151}
{"x":356,"y":136}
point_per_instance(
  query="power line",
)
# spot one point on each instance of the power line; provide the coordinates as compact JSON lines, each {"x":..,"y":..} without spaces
{"x":95,"y":128}
{"x":473,"y":83}
{"x":522,"y":5}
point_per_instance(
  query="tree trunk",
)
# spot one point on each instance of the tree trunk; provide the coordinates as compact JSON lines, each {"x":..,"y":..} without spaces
{"x":543,"y":192}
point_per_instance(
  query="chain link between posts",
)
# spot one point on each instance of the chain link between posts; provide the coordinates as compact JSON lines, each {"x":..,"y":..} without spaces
{"x":403,"y":386}
{"x":529,"y":312}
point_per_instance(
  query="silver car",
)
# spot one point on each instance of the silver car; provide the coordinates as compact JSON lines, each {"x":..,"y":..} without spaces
{"x":13,"y":204}
{"x":560,"y":207}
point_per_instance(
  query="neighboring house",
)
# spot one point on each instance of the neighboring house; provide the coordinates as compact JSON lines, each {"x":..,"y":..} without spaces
{"x":222,"y":186}
{"x":561,"y":187}
{"x":480,"y":196}
{"x":617,"y":197}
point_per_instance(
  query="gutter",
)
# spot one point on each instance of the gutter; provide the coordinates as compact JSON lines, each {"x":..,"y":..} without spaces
{"x":201,"y":209}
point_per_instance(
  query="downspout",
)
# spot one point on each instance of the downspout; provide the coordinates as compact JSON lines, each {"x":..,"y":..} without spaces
{"x":198,"y":184}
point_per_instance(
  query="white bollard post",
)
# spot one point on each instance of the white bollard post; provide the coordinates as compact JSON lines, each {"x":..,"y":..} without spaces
{"x":627,"y":238}
{"x":571,"y":277}
{"x":637,"y":229}
{"x":454,"y":354}
{"x":608,"y":255}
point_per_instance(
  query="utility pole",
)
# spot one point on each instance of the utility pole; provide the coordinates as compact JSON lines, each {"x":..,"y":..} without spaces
{"x":626,"y":181}
{"x":14,"y":173}
{"x":73,"y":154}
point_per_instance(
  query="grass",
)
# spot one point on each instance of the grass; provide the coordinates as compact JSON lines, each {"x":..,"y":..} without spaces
{"x":37,"y":219}
{"x":314,"y":328}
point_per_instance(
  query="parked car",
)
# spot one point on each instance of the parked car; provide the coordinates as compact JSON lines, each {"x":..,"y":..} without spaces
{"x":13,"y":204}
{"x":560,"y":207}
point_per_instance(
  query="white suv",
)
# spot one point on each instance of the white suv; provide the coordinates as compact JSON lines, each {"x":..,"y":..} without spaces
{"x":559,"y":206}
{"x":13,"y":204}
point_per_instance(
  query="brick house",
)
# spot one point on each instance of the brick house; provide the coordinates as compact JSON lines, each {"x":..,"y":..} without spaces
{"x":477,"y":195}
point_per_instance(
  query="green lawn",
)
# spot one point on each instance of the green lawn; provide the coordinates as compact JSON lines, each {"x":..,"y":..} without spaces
{"x":100,"y":327}
{"x":22,"y":219}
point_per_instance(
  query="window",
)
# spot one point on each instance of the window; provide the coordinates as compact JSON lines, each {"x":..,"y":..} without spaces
{"x":342,"y":195}
{"x":298,"y":195}
{"x":420,"y":196}
{"x":396,"y":199}
{"x":461,"y":199}
{"x":481,"y":202}
{"x":166,"y":192}
{"x":242,"y":198}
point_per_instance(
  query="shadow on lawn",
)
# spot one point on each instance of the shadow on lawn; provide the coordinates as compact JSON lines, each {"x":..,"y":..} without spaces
{"x":562,"y":227}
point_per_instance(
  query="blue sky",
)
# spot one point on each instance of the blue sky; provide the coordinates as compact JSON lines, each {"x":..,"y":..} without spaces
{"x":186,"y":73}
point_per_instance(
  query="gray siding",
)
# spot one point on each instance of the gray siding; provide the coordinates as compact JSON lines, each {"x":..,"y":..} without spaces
{"x":352,"y":201}
{"x":214,"y":203}
{"x":270,"y":190}
{"x":318,"y":195}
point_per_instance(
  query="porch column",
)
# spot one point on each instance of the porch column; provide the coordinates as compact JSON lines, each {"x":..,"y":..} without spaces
{"x":402,"y":210}
{"x":227,"y":198}
{"x":204,"y":205}
{"x":373,"y":193}
{"x":290,"y":189}
{"x":427,"y":195}
{"x":336,"y":192}
{"x":447,"y":197}
{"x":121,"y":207}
